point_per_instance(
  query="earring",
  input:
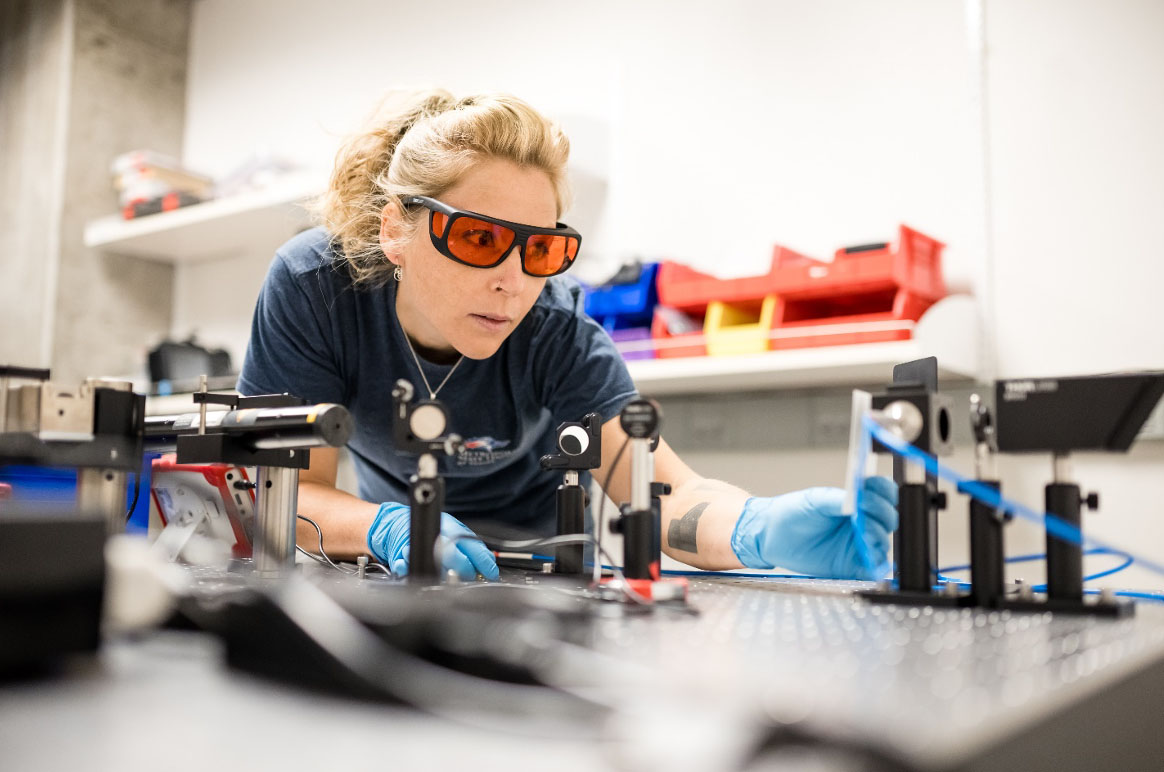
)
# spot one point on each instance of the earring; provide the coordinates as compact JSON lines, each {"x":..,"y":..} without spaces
{"x":398,"y":274}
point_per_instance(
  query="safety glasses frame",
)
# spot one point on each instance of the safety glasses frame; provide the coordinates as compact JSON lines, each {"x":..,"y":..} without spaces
{"x":521,"y":232}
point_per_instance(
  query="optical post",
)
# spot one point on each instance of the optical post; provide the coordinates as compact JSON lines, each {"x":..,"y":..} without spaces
{"x":95,"y":427}
{"x":640,"y":420}
{"x":987,"y":553}
{"x":919,"y":415}
{"x":639,"y":522}
{"x":419,"y":429}
{"x":580,"y":448}
{"x":50,"y":609}
{"x":1060,"y":416}
{"x":271,"y":432}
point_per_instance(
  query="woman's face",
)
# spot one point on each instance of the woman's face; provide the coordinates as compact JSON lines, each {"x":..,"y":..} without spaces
{"x":445,"y":306}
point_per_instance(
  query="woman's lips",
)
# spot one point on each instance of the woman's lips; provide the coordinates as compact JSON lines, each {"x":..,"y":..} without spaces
{"x":490,"y":322}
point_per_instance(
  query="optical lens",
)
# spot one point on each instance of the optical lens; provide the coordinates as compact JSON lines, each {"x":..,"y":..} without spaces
{"x":546,"y":255}
{"x":478,"y":242}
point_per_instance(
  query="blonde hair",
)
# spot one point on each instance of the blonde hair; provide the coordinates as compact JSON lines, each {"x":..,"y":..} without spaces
{"x":420,"y":143}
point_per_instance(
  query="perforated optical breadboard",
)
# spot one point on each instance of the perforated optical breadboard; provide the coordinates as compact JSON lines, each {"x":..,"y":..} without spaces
{"x":940,"y":685}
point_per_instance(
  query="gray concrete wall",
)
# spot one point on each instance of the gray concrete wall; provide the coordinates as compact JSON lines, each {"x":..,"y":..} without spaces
{"x":82,"y":81}
{"x":128,"y":91}
{"x":35,"y":56}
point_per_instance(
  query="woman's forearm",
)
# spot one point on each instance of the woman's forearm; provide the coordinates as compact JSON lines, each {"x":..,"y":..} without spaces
{"x":697,"y":523}
{"x":343,"y":518}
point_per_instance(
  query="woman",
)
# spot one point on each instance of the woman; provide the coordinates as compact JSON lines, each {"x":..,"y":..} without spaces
{"x":438,"y":262}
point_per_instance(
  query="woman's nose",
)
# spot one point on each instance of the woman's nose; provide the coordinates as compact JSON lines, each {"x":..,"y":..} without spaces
{"x":509,"y":277}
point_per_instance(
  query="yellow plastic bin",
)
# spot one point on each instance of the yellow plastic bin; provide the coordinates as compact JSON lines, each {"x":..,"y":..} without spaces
{"x":739,"y":328}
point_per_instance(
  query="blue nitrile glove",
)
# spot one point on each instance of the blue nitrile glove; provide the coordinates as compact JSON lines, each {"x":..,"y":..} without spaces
{"x":805,"y":531}
{"x":388,"y":539}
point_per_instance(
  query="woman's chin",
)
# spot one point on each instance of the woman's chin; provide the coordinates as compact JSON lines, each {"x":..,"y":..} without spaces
{"x":478,"y":348}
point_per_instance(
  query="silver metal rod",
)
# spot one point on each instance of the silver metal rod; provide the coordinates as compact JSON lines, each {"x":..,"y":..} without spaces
{"x":642,"y":474}
{"x":915,"y":474}
{"x":571,"y":477}
{"x":202,"y":407}
{"x":102,"y":492}
{"x":1061,"y":471}
{"x":276,"y":507}
{"x":985,"y":464}
{"x":3,"y":404}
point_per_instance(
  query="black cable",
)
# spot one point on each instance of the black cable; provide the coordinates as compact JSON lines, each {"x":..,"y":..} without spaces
{"x":137,"y":475}
{"x":560,"y":541}
{"x":326,"y":559}
{"x":381,"y":566}
{"x":319,"y":532}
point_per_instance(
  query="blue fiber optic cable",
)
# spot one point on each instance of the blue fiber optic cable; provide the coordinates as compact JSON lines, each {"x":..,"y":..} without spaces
{"x":992,"y":498}
{"x":1128,"y":560}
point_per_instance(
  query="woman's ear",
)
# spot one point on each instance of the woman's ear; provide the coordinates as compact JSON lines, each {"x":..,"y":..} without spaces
{"x":391,"y":228}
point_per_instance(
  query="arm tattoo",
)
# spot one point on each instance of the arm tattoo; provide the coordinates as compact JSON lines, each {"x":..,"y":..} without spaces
{"x":681,"y":533}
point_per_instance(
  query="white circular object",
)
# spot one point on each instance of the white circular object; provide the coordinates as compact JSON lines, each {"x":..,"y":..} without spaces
{"x":902,"y":419}
{"x":427,"y":422}
{"x":573,"y":440}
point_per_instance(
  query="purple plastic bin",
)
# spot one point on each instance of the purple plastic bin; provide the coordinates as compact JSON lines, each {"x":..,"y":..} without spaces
{"x":634,"y":343}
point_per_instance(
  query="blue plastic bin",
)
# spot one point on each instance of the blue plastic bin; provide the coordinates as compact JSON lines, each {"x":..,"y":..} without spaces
{"x":623,"y":303}
{"x":50,"y":489}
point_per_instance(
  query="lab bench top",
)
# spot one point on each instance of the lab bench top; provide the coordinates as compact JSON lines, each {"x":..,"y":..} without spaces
{"x":916,"y":687}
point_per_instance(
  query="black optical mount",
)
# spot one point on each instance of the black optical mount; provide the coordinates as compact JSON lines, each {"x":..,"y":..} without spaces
{"x":242,"y":441}
{"x":580,"y":449}
{"x":419,"y":429}
{"x":923,"y":414}
{"x":271,"y":432}
{"x":1060,"y":416}
{"x":987,"y":552}
{"x":641,"y":419}
{"x":1049,"y":415}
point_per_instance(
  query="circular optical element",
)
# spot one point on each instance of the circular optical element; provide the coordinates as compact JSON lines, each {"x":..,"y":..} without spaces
{"x":427,"y":422}
{"x":573,"y":440}
{"x":902,"y":419}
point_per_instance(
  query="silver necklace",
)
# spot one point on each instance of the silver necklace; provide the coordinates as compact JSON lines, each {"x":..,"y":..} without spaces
{"x":431,"y":391}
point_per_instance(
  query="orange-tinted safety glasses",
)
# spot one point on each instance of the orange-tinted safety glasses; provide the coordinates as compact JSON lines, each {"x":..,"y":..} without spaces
{"x":483,"y":242}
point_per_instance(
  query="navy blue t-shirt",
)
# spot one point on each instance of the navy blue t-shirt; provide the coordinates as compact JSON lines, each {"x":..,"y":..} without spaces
{"x":316,"y":336}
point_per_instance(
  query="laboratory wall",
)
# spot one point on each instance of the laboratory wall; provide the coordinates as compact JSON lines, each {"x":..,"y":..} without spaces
{"x":699,"y":133}
{"x":34,"y":58}
{"x":1024,"y":134}
{"x":82,"y":81}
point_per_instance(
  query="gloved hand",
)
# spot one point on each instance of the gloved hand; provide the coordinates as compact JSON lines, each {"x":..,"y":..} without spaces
{"x":805,"y":531}
{"x":388,"y":540}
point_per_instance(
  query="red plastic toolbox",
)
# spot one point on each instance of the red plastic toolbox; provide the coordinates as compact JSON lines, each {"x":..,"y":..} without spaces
{"x":882,"y":287}
{"x":837,"y":322}
{"x":677,"y":334}
{"x":689,"y":290}
{"x":913,"y":264}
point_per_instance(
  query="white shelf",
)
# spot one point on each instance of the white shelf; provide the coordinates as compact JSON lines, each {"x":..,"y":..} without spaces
{"x":947,"y":331}
{"x":217,"y":229}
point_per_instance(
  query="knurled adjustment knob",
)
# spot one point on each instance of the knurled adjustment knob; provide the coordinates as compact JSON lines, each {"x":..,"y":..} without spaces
{"x":1091,"y":501}
{"x":938,"y":500}
{"x":616,"y":525}
{"x":660,"y":489}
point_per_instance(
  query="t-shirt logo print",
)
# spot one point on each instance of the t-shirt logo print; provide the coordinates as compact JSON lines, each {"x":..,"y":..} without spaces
{"x":482,"y":450}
